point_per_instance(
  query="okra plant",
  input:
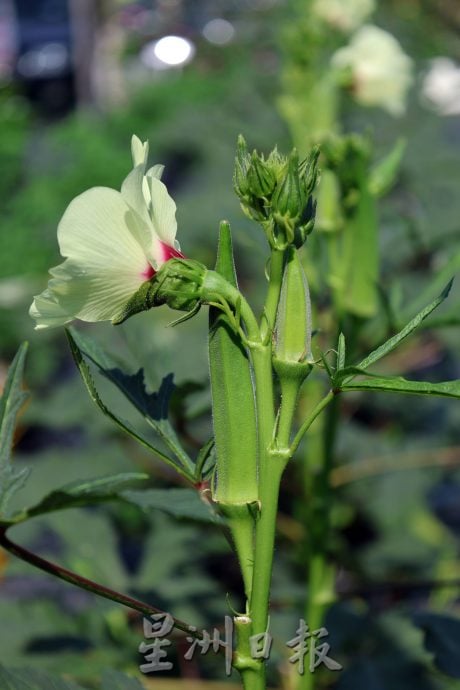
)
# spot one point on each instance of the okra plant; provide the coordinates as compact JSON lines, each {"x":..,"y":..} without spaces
{"x":121,"y":258}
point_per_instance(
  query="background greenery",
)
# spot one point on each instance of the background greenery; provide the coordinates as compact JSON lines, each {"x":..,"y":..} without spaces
{"x":396,"y":511}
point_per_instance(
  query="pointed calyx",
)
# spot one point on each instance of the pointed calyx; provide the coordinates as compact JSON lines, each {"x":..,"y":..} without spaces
{"x":277,"y":191}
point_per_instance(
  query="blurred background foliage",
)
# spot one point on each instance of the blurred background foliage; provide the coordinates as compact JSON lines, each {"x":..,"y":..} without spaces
{"x":397,"y":487}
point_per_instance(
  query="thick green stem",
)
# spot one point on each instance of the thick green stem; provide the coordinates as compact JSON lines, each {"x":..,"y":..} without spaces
{"x":252,"y":670}
{"x":270,"y":477}
{"x":270,"y":470}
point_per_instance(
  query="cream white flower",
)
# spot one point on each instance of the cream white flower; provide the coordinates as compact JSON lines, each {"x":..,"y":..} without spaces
{"x":441,"y":86}
{"x":112,"y":243}
{"x":381,"y":72}
{"x":345,"y":15}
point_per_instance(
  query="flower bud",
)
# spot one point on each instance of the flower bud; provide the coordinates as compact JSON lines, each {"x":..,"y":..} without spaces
{"x":307,"y":223}
{"x":293,"y":325}
{"x":277,"y":192}
{"x":308,"y":171}
{"x":287,"y":200}
{"x":178,"y":284}
{"x":261,"y":178}
{"x":242,"y":163}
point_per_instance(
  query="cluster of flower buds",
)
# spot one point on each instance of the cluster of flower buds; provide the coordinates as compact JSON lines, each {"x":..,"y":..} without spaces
{"x":278,"y":193}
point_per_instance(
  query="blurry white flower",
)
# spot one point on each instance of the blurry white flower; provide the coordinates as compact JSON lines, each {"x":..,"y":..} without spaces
{"x":441,"y":86}
{"x":345,"y":15}
{"x":113,"y":242}
{"x":380,"y":71}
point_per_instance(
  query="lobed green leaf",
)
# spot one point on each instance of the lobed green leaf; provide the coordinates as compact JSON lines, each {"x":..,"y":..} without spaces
{"x":88,"y":492}
{"x":152,"y":406}
{"x":180,"y":503}
{"x":122,"y":424}
{"x":11,"y":402}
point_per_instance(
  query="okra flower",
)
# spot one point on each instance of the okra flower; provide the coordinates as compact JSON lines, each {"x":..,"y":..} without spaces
{"x":380,"y":72}
{"x":345,"y":15}
{"x":112,"y":242}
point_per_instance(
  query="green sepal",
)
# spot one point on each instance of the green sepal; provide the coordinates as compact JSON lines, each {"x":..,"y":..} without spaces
{"x":341,"y":352}
{"x":142,"y":300}
{"x":242,"y":163}
{"x":292,"y":370}
{"x":261,"y":178}
{"x":288,"y":201}
{"x":178,"y":283}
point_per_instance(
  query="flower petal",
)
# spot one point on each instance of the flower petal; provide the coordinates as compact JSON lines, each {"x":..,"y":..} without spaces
{"x":136,"y":193}
{"x":99,"y":229}
{"x":106,"y":262}
{"x":163,"y":212}
{"x":155,"y":171}
{"x":47,"y":312}
{"x":139,"y":151}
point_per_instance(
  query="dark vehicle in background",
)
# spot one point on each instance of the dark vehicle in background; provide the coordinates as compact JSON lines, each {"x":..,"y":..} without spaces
{"x":44,"y":54}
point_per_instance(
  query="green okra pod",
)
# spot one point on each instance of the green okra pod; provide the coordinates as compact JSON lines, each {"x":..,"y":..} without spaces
{"x":234,"y":416}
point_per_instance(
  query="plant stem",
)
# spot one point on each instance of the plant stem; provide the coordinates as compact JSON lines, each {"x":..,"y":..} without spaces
{"x":270,"y":471}
{"x":321,"y":573}
{"x":270,"y":478}
{"x":84,"y":583}
{"x":252,"y":670}
{"x":309,"y":421}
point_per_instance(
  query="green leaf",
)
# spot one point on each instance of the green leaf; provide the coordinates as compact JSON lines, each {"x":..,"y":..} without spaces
{"x":347,"y":372}
{"x":442,"y":638}
{"x":11,"y":402}
{"x":384,"y":174}
{"x":124,"y":425}
{"x":435,"y":286}
{"x":180,"y":503}
{"x":398,"y":384}
{"x":393,"y":342}
{"x":152,"y":406}
{"x":25,"y":679}
{"x":87,"y":493}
